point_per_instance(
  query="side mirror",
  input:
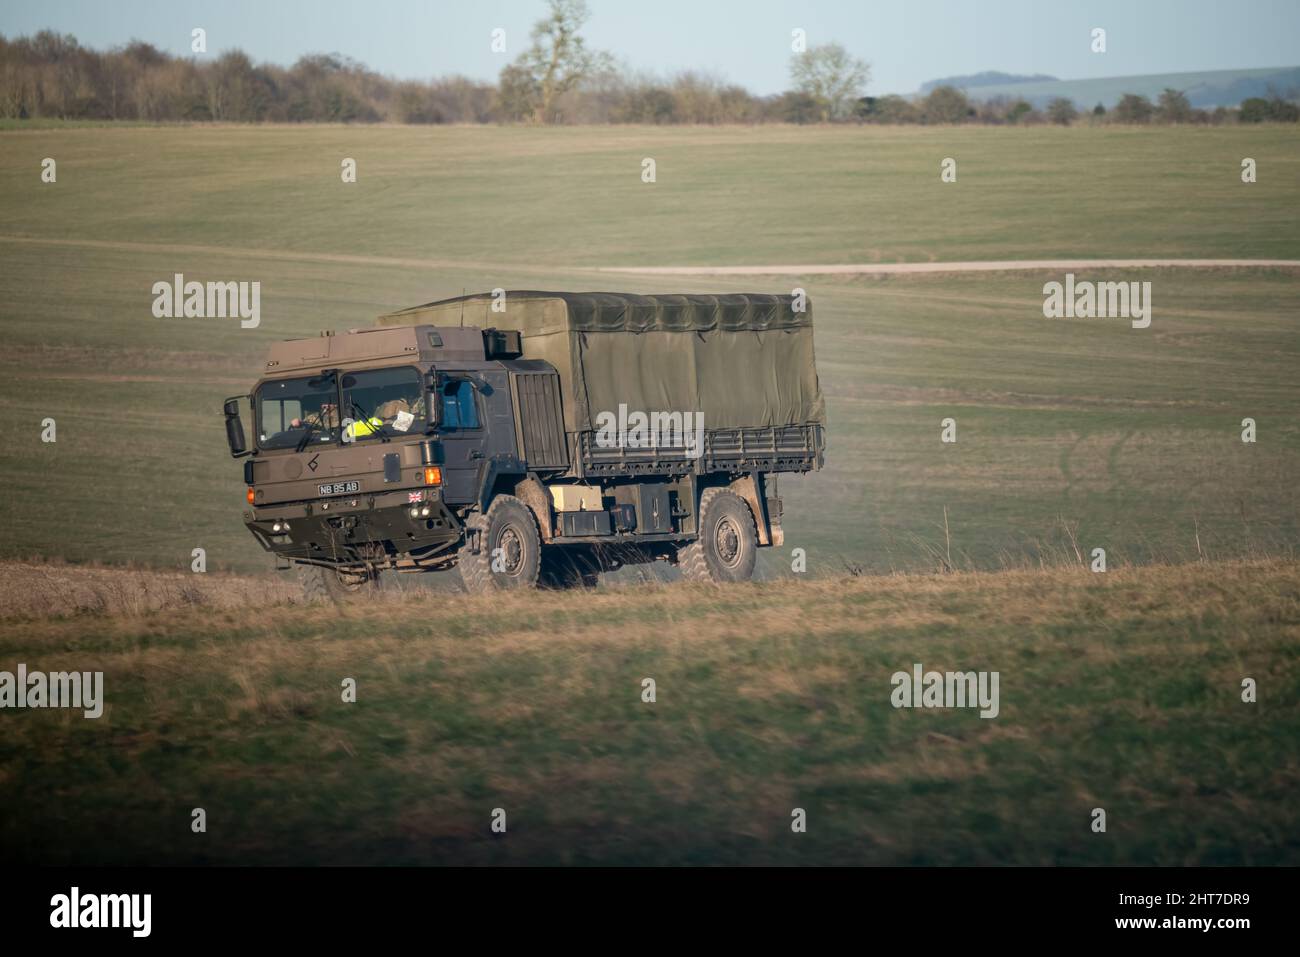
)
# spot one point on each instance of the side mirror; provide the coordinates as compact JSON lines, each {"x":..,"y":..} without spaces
{"x":234,"y":429}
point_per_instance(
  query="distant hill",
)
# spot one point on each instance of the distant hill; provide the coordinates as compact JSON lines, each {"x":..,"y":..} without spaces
{"x":1206,"y":89}
{"x":987,"y":78}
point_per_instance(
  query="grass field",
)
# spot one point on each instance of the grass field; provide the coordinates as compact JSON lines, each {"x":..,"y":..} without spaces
{"x":1087,"y":434}
{"x":568,"y":198}
{"x":1120,"y":691}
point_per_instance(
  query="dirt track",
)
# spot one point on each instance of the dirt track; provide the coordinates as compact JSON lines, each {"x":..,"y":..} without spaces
{"x":1006,"y":265}
{"x":847,"y":269}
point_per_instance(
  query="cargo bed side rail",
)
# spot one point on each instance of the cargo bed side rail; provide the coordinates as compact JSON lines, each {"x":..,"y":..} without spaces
{"x":785,"y":448}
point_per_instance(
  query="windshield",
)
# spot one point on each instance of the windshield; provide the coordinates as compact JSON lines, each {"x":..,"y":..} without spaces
{"x":294,"y":412}
{"x":377,"y":404}
{"x":383,"y":403}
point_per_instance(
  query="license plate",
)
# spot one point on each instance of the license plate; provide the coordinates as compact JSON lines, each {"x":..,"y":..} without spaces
{"x":340,"y":488}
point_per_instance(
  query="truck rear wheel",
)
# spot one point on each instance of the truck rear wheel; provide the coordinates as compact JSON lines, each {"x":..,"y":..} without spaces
{"x":728,"y":544}
{"x":327,"y":584}
{"x":510,"y":548}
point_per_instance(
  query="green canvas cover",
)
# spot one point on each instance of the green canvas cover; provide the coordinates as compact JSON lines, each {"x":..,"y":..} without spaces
{"x":744,"y":360}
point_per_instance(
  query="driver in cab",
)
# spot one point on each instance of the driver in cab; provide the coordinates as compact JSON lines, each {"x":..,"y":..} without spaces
{"x":397,"y":415}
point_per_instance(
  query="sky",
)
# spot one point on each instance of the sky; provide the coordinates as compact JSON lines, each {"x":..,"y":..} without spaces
{"x":906,"y":42}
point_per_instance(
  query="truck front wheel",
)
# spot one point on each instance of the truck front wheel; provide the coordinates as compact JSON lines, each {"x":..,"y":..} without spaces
{"x":509,"y":548}
{"x":728,"y":544}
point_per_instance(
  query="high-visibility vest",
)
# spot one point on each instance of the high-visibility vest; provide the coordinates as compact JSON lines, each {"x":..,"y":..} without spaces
{"x":363,"y":427}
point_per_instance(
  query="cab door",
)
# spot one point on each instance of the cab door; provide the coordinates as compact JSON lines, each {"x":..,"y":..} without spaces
{"x":476,"y":425}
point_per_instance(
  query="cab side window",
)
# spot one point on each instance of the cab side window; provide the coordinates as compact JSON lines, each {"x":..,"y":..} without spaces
{"x":458,"y":408}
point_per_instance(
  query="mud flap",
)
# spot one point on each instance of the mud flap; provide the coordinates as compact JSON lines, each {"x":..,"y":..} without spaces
{"x":533,"y":494}
{"x":750,"y":488}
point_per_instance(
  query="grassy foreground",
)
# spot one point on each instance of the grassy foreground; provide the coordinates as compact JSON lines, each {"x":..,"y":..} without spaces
{"x":1119,"y":690}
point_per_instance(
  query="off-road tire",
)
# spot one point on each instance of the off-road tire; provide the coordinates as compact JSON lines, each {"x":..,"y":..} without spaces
{"x":509,"y":525}
{"x":564,"y":568}
{"x":321,"y":584}
{"x":727,"y":547}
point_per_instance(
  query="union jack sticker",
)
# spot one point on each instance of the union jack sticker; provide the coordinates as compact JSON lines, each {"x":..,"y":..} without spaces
{"x":415,"y":496}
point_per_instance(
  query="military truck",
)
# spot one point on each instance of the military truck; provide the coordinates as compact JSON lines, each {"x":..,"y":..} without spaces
{"x":532,"y":438}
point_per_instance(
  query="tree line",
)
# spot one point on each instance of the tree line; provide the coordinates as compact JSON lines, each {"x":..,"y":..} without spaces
{"x":557,"y":79}
{"x":946,"y":104}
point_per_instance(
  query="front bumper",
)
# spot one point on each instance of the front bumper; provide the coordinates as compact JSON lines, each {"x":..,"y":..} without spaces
{"x":356,"y":529}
